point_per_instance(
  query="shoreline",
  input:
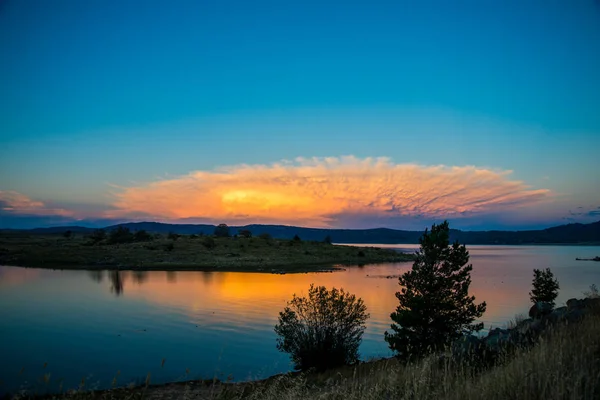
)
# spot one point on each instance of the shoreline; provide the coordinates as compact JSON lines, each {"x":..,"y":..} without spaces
{"x":318,"y":267}
{"x":188,"y":253}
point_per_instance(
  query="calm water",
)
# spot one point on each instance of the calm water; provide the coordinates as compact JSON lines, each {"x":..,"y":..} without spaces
{"x":91,"y":324}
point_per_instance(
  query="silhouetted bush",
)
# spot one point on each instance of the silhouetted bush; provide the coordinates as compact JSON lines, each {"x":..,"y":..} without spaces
{"x":169,"y":246}
{"x":361,"y":253}
{"x":222,"y":230}
{"x":435,"y":307}
{"x":265,"y":236}
{"x":142,"y":236}
{"x":68,"y":234}
{"x":120,"y":235}
{"x":97,"y":236}
{"x":545,"y":287}
{"x":245,"y":233}
{"x":322,"y":331}
{"x":209,"y":242}
{"x":327,"y":239}
{"x":173,"y":236}
{"x":297,"y":238}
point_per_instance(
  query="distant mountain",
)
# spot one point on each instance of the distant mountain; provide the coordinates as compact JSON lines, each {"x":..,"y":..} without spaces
{"x":563,"y":234}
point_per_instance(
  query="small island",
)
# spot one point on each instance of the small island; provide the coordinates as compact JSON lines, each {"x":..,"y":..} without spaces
{"x":143,"y":251}
{"x":588,"y":259}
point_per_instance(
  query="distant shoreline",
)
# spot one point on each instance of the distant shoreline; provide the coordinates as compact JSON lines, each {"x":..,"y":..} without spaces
{"x":189,"y":253}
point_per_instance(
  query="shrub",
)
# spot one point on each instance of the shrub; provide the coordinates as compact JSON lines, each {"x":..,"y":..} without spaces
{"x":245,"y":233}
{"x":593,"y":292}
{"x":68,"y":234}
{"x":222,"y":230}
{"x":435,"y":307}
{"x":97,"y":236}
{"x":297,"y":238}
{"x":209,"y":242}
{"x":173,"y":236}
{"x":142,"y":236}
{"x":265,"y":236}
{"x":120,"y":235}
{"x":323,"y":330}
{"x":327,"y":239}
{"x":545,"y":287}
{"x":169,"y":246}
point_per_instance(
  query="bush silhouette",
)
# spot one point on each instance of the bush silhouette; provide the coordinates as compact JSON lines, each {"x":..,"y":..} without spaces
{"x":209,"y":242}
{"x":245,"y":233}
{"x":327,"y":239}
{"x":142,"y":236}
{"x":323,"y":330}
{"x":222,"y":230}
{"x":545,"y":287}
{"x":435,"y":307}
{"x":173,"y":236}
{"x":97,"y":236}
{"x":265,"y":236}
{"x":120,"y":235}
{"x":297,"y":238}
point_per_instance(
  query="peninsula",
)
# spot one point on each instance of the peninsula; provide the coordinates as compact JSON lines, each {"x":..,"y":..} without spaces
{"x":142,"y":251}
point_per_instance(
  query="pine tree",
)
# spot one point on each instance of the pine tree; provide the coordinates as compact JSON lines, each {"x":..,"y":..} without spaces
{"x":545,"y":287}
{"x":435,"y":307}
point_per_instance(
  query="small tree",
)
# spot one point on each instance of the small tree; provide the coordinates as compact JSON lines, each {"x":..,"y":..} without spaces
{"x":297,"y":238}
{"x":97,"y":236}
{"x":142,"y":236}
{"x":245,"y":233}
{"x":327,"y":239}
{"x":435,"y":307}
{"x":545,"y":287}
{"x":68,"y":234}
{"x":323,"y":330}
{"x":209,"y":242}
{"x":120,"y":235}
{"x":265,"y":236}
{"x":222,"y":230}
{"x":173,"y":236}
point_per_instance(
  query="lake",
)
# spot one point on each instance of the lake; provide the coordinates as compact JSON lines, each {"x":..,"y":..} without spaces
{"x":65,"y":326}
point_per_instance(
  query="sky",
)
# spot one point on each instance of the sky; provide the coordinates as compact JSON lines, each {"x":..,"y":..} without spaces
{"x":353,"y":114}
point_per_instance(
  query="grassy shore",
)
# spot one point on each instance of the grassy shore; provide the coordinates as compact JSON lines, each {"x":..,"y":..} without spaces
{"x":187,"y":253}
{"x":564,"y":364}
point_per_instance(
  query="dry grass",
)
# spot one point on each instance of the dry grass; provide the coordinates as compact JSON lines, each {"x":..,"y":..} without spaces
{"x":187,"y":253}
{"x":564,"y":365}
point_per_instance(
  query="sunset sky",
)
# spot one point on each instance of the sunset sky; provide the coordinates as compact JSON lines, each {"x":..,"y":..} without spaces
{"x":352,"y":114}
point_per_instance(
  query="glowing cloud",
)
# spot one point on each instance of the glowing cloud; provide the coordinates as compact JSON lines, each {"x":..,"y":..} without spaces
{"x":16,"y":203}
{"x":318,"y":191}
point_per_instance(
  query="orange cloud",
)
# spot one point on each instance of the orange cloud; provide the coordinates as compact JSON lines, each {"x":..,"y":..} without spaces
{"x":17,"y":203}
{"x":314,"y":191}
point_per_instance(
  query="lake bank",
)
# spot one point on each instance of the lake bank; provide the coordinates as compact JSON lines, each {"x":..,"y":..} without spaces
{"x":189,"y":253}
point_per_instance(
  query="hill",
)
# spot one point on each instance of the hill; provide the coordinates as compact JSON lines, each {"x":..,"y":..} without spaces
{"x":563,"y":234}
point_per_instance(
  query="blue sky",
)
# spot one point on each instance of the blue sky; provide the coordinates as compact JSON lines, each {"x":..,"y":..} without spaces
{"x":99,"y":99}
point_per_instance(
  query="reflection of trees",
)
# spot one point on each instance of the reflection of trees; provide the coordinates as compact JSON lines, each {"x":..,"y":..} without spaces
{"x":116,"y":280}
{"x":171,"y":276}
{"x":97,"y":276}
{"x":207,"y":276}
{"x":139,"y":277}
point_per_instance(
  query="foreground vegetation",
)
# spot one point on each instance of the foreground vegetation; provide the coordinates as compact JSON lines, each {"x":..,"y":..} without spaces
{"x":184,"y":252}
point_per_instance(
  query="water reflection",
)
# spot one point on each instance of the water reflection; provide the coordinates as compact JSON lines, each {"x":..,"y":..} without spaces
{"x":97,"y":276}
{"x":224,"y":320}
{"x":139,"y":277}
{"x":171,"y":276}
{"x":116,"y":280}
